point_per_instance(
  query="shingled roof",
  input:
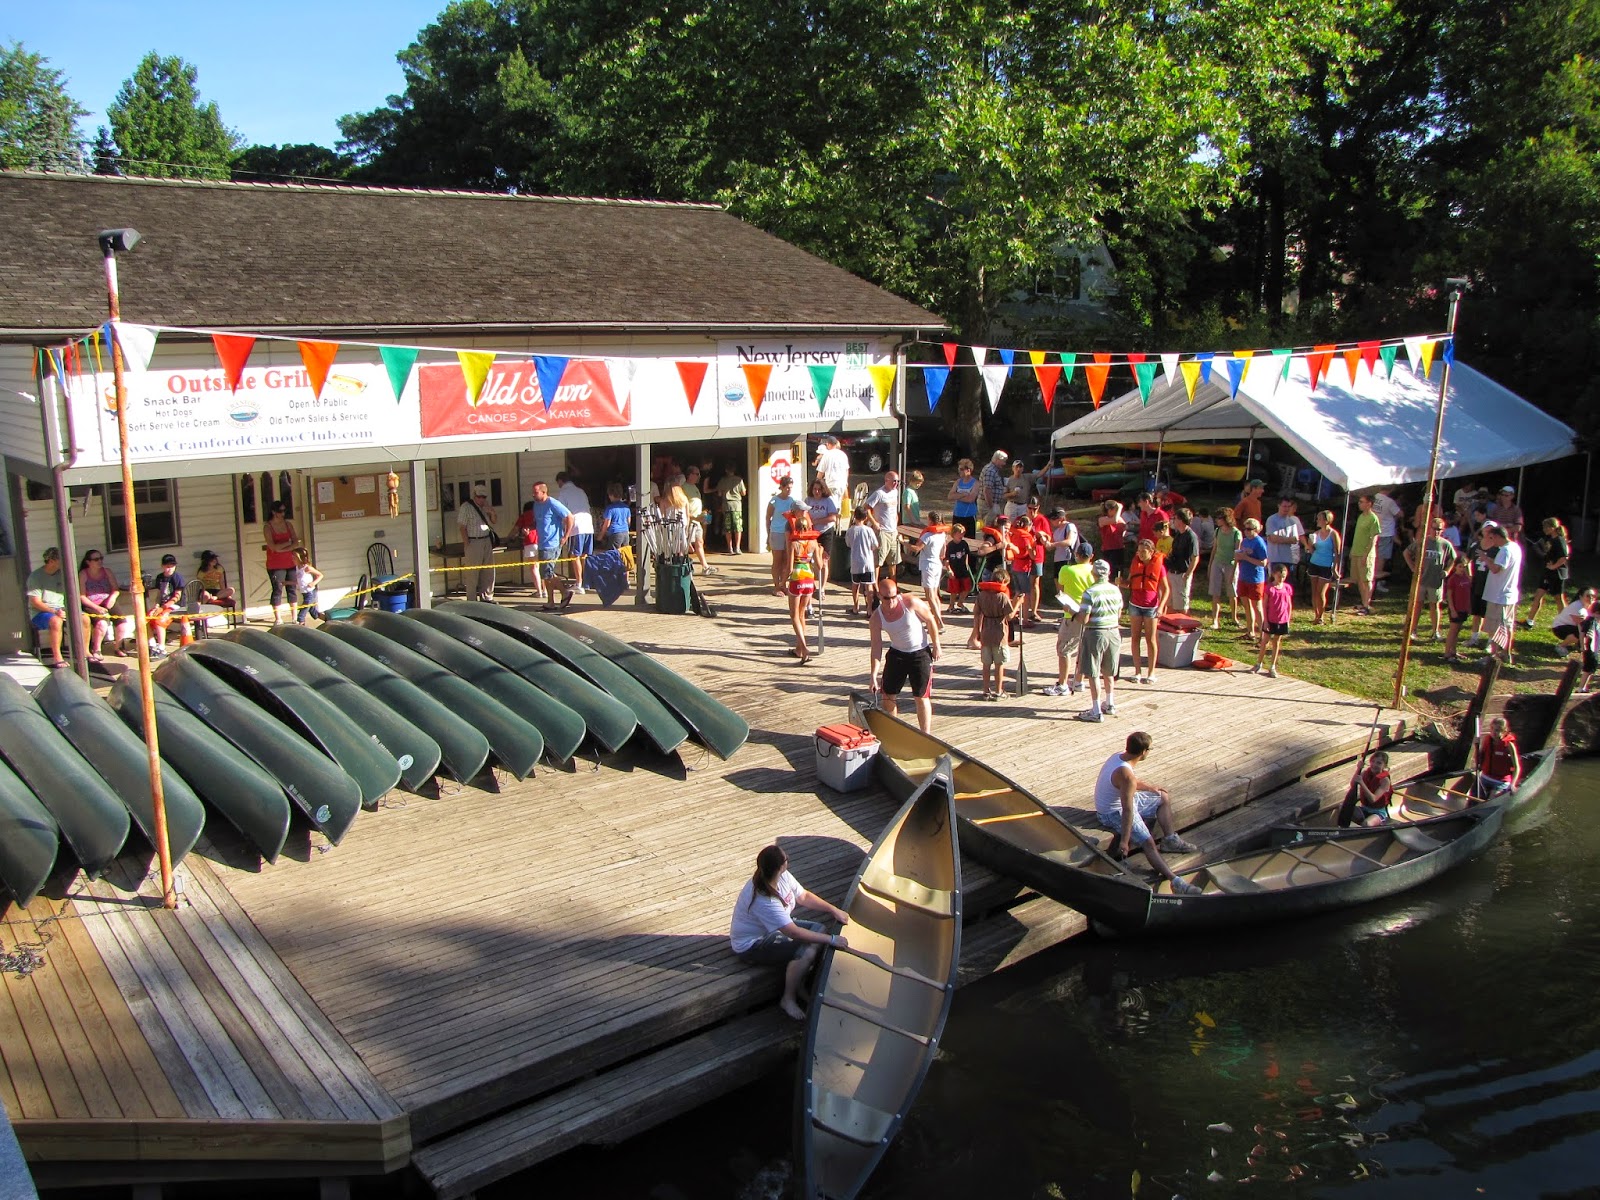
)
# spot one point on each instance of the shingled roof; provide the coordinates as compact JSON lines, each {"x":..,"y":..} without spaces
{"x":299,"y":257}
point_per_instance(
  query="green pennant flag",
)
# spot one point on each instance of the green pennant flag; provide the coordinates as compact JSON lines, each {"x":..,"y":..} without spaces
{"x":1069,"y":363}
{"x":822,"y":384}
{"x":1387,"y":353}
{"x":1288,"y":359}
{"x":398,"y":361}
{"x":1145,"y":372}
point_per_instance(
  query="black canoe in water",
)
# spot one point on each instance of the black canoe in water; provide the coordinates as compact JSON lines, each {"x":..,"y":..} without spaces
{"x":91,"y":818}
{"x":1341,"y":868}
{"x":462,"y":749}
{"x":879,"y":1008}
{"x":329,"y":798}
{"x":1008,"y":828}
{"x":28,"y":839}
{"x":359,"y":756}
{"x":414,"y":750}
{"x":250,"y":799}
{"x":609,"y":721}
{"x":657,"y":721}
{"x":122,"y":760}
{"x":1429,"y":796}
{"x":712,"y":722}
{"x":561,"y":728}
{"x":516,"y":744}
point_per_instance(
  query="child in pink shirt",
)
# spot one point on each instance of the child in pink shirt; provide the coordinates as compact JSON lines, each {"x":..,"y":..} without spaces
{"x":1458,"y":600}
{"x":1277,"y":603}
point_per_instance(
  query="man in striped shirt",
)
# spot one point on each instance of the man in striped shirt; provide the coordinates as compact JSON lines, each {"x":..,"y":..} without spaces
{"x":1101,"y":614}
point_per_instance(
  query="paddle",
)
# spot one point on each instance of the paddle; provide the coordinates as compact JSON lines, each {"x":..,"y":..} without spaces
{"x":820,"y":641}
{"x":1347,"y":809}
{"x":1022,"y":664}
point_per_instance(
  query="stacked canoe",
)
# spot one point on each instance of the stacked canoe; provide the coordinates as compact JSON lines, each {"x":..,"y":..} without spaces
{"x":323,"y":722}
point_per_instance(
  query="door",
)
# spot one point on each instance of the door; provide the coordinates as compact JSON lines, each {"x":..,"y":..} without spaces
{"x":457,"y":478}
{"x":254,"y":496}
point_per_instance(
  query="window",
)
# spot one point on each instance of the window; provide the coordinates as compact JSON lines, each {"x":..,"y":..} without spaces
{"x":156,"y":504}
{"x":247,"y":499}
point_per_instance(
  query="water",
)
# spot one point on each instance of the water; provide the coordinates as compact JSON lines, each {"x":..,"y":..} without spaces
{"x":1446,"y":1043}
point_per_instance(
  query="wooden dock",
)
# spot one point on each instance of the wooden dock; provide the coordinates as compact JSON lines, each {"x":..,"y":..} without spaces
{"x":478,"y":979}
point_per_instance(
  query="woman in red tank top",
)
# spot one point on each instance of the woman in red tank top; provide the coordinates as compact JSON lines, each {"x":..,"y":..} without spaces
{"x":282,"y":540}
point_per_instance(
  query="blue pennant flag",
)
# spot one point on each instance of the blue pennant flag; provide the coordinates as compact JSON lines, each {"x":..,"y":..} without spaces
{"x":1204,"y":359}
{"x":934,"y":380}
{"x":1236,"y":368}
{"x":1450,"y":350}
{"x":548,"y":369}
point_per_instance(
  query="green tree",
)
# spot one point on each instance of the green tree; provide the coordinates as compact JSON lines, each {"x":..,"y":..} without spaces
{"x":38,"y":119}
{"x":271,"y":164}
{"x":158,"y":125}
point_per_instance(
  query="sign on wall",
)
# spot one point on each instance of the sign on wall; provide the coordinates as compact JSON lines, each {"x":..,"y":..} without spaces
{"x":512,"y":402}
{"x":804,"y":380}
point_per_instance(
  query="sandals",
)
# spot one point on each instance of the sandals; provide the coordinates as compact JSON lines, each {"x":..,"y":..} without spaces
{"x":566,"y":600}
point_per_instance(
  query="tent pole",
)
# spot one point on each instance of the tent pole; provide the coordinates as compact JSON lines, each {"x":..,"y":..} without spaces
{"x":1160,"y":445}
{"x":1344,"y":540}
{"x":1433,"y":481}
{"x":1583,"y":512}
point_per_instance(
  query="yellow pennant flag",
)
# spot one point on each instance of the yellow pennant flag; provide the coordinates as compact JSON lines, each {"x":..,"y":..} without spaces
{"x":882,"y":381}
{"x":1426,"y":352}
{"x":475,"y":366}
{"x":1191,"y":374}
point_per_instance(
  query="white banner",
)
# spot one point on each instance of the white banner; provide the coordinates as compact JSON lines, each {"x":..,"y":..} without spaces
{"x":186,"y":413}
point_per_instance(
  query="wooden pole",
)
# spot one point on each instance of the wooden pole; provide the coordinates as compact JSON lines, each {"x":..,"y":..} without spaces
{"x":1433,"y":482}
{"x":158,"y":800}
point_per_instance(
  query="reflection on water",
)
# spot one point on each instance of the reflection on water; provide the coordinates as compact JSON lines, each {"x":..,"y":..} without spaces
{"x":1444,"y":1044}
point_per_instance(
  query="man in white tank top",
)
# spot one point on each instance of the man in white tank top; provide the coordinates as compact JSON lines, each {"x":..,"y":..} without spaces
{"x":1123,"y":803}
{"x":913,"y":635}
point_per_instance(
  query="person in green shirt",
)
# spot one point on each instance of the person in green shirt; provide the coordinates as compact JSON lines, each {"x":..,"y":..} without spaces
{"x":1222,"y":575}
{"x":1364,"y":553}
{"x":1072,"y":581}
{"x":47,"y":604}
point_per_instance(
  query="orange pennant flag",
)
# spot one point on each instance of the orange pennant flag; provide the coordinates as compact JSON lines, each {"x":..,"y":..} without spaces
{"x":318,"y":357}
{"x":882,"y":382}
{"x":757,"y":375}
{"x":1095,"y":373}
{"x":1317,"y":363}
{"x":692,"y":375}
{"x":1048,"y":377}
{"x":1352,"y":360}
{"x":233,"y":351}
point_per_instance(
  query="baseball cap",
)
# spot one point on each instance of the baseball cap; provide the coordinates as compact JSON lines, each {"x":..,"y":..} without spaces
{"x":1508,"y":489}
{"x":1086,"y":551}
{"x":1058,"y":512}
{"x":169,"y":560}
{"x":1033,"y":502}
{"x":480,"y":489}
{"x":1101,"y":569}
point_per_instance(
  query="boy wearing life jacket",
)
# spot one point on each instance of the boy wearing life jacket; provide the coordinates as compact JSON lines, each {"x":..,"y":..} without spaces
{"x":1497,"y":762}
{"x":994,"y":610}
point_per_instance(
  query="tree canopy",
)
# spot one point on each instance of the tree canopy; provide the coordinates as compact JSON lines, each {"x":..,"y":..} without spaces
{"x":38,"y":119}
{"x":158,"y":125}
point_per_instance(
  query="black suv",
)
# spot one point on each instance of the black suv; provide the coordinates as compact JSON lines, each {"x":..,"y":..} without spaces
{"x":872,"y":450}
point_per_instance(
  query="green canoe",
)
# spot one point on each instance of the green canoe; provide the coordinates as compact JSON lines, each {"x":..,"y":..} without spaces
{"x":329,"y":798}
{"x":561,"y":728}
{"x":715,"y":724}
{"x":250,"y":799}
{"x":414,"y":750}
{"x":463,"y":750}
{"x":655,"y":718}
{"x":92,"y":820}
{"x":370,"y":764}
{"x":122,"y":760}
{"x":516,"y":744}
{"x":610,"y":722}
{"x":28,"y":839}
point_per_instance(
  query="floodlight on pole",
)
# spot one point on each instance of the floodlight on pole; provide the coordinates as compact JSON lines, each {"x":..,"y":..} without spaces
{"x":113,"y":241}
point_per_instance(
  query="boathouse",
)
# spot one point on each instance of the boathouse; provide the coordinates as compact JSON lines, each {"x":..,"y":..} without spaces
{"x":685,"y":333}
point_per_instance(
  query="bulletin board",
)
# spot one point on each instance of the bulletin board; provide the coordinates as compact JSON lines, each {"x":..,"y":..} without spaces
{"x":363,"y":496}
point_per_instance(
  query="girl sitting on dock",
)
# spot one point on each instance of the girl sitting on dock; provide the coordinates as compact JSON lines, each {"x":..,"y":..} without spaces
{"x":764,"y":932}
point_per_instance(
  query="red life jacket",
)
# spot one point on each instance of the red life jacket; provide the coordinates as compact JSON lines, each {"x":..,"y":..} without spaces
{"x":1495,"y":758}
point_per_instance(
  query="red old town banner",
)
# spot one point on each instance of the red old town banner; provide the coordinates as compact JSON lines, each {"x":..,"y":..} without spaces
{"x":511,"y":401}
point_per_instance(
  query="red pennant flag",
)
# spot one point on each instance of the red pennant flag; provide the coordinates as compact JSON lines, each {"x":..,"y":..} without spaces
{"x":318,"y":357}
{"x":1095,"y":373}
{"x":1317,"y":363}
{"x":692,"y":375}
{"x":950,"y":349}
{"x":1047,"y":376}
{"x":1369,"y":355}
{"x":757,"y":375}
{"x":233,"y":351}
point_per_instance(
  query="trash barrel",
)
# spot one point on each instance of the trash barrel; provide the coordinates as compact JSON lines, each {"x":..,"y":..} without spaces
{"x":672,"y":586}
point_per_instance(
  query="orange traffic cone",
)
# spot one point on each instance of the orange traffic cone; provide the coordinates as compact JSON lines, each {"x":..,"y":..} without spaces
{"x":186,"y":634}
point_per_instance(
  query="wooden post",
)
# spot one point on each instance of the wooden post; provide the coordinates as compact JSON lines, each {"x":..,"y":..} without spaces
{"x":420,"y":553}
{"x":1569,"y":681}
{"x":1461,"y":751}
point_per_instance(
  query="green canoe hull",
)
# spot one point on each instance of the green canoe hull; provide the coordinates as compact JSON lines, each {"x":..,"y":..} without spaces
{"x":374,"y":769}
{"x":609,"y":721}
{"x":462,"y":749}
{"x":248,"y":798}
{"x":29,"y":839}
{"x":561,"y":728}
{"x":122,"y":760}
{"x":93,"y":821}
{"x":655,"y":718}
{"x":517,"y":745}
{"x":328,"y":797}
{"x":712,"y":722}
{"x":416,"y":752}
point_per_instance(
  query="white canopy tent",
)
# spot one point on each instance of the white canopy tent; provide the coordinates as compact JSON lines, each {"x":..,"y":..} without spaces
{"x":1379,"y":431}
